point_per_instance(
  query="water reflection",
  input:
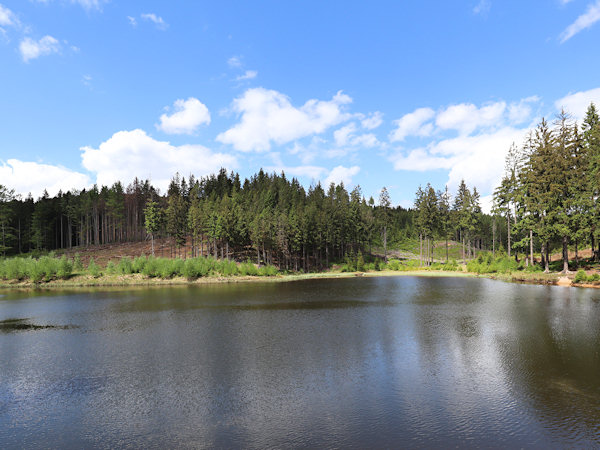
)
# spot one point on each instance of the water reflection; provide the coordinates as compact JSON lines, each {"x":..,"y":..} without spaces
{"x":337,"y":363}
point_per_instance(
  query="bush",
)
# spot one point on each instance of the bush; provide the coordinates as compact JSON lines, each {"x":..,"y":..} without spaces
{"x":138,"y":264}
{"x":65,"y":268}
{"x":581,"y":276}
{"x":77,"y":264}
{"x":125,"y":266}
{"x":93,"y":269}
{"x":248,"y":268}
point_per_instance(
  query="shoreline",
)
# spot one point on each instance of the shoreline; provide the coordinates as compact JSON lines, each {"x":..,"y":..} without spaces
{"x":138,"y":280}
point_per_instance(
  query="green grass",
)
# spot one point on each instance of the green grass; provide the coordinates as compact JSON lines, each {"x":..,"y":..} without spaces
{"x":49,"y":268}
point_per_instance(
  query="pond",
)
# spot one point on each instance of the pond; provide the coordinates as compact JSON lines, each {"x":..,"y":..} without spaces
{"x":353,"y":363}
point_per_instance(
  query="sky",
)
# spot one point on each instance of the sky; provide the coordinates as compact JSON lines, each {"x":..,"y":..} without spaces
{"x":380,"y":93}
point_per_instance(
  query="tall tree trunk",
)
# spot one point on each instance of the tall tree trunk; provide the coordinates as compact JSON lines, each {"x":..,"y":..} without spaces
{"x":531,"y":245}
{"x":420,"y":249}
{"x":565,"y":252}
{"x":508,"y":234}
{"x":546,"y":256}
{"x":576,"y":254}
{"x":494,"y":237}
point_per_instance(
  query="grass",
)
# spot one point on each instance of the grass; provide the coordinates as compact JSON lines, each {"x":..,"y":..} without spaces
{"x":46,"y":269}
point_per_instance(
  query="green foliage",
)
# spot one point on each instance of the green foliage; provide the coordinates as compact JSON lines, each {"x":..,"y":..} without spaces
{"x":93,"y":269}
{"x":125,"y":266}
{"x":77,"y":264}
{"x":581,"y":276}
{"x":65,"y":268}
{"x":487,"y":264}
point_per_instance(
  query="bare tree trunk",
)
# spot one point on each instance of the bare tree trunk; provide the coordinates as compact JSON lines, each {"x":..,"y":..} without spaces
{"x":565,"y":252}
{"x":494,"y":238}
{"x":531,"y":245}
{"x":420,"y":249}
{"x":508,"y":234}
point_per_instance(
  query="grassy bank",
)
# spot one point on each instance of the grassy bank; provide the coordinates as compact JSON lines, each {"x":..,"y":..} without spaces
{"x":63,"y":272}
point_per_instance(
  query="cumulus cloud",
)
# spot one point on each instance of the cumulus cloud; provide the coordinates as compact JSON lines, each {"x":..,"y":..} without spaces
{"x":413,"y":124}
{"x":313,"y":173}
{"x":268,"y":116}
{"x":479,"y":159}
{"x":346,"y":136}
{"x":341,"y":174}
{"x":32,"y":49}
{"x":32,"y":177}
{"x":520,"y":112}
{"x":577,"y":104}
{"x":188,"y":115}
{"x":586,"y":20}
{"x":374,"y":120}
{"x":466,"y":117}
{"x":156,"y":20}
{"x":130,"y":154}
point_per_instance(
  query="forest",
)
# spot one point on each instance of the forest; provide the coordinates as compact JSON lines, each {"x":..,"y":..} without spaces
{"x":549,"y":198}
{"x":268,"y":219}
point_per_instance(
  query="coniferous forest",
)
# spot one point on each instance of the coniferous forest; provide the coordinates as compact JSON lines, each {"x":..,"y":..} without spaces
{"x":548,"y":199}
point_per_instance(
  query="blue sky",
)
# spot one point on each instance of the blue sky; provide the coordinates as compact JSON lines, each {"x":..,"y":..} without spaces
{"x":380,"y":93}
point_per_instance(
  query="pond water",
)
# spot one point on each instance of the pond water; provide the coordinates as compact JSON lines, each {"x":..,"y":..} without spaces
{"x":351,"y":363}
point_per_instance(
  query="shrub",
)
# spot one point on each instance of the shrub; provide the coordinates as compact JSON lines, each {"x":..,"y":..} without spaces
{"x":248,"y":268}
{"x":111,"y":268}
{"x":581,"y":276}
{"x":138,"y":264}
{"x":125,"y":266}
{"x":65,"y":268}
{"x":93,"y":269}
{"x":77,"y":264}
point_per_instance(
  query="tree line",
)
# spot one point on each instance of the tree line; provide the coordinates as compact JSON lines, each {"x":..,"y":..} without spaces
{"x":266,"y":218}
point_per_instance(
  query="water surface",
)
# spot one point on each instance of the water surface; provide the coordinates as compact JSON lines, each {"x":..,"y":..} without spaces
{"x":352,"y":363}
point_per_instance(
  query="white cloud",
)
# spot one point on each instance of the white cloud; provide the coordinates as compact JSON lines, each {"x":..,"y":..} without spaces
{"x":234,"y":62}
{"x":466,"y":117}
{"x":248,"y":75}
{"x":86,"y":4}
{"x":130,"y":154}
{"x":132,"y":21}
{"x":521,"y":112}
{"x":26,"y":177}
{"x":341,"y":174}
{"x":157,"y":20}
{"x":586,"y":20}
{"x":478,"y":159}
{"x":90,"y":4}
{"x":188,"y":115}
{"x":268,"y":116}
{"x":482,"y":8}
{"x":31,"y":49}
{"x":420,"y":160}
{"x":373,"y":121}
{"x":7,"y":17}
{"x":413,"y":124}
{"x":314,"y":173}
{"x":346,"y":136}
{"x":577,"y":104}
